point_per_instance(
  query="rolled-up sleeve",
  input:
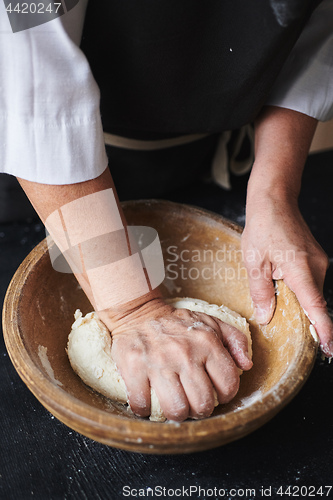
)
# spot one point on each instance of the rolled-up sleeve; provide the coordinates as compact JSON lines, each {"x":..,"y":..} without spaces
{"x":50,"y":124}
{"x":305,"y":83}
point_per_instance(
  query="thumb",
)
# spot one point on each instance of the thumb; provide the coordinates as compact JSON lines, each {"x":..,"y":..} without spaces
{"x":262,"y":292}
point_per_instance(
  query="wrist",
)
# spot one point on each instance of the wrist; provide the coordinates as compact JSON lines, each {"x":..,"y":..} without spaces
{"x":282,"y":141}
{"x":151,"y":304}
{"x":270,"y":200}
{"x":266,"y":187}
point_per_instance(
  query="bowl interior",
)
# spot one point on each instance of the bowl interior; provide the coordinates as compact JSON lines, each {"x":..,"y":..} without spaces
{"x":203,"y":260}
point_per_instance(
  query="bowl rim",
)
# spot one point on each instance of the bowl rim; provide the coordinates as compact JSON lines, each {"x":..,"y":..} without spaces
{"x":112,"y":430}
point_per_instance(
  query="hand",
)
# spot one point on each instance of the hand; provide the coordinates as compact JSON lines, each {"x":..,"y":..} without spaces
{"x":182,"y":355}
{"x":277,"y":244}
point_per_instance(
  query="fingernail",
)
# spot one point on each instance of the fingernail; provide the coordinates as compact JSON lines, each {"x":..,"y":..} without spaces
{"x":277,"y":274}
{"x":314,"y":334}
{"x":250,"y":362}
{"x":263,"y":315}
{"x":247,"y":355}
{"x":327,"y":349}
{"x":307,"y":315}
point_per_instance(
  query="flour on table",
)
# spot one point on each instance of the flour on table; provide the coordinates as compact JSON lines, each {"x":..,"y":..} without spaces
{"x":89,"y":350}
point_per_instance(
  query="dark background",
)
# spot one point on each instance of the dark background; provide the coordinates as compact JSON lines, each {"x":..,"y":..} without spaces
{"x":40,"y":458}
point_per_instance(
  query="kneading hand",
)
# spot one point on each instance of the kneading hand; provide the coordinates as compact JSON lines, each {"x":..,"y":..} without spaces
{"x":182,"y":355}
{"x":277,"y":244}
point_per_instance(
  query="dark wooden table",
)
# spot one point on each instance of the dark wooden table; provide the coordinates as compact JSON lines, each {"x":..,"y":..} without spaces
{"x":40,"y":458}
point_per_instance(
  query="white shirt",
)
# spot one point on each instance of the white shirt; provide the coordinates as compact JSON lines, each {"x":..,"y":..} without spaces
{"x":50,"y":124}
{"x":305,"y":83}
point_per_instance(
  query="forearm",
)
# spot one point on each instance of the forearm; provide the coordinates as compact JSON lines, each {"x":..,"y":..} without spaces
{"x":47,"y":199}
{"x":152,"y":343}
{"x":276,"y":241}
{"x":282,"y":142}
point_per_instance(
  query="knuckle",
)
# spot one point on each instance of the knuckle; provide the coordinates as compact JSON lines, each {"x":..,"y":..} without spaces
{"x":183,"y":351}
{"x":261,"y":295}
{"x":318,"y":251}
{"x":170,"y":358}
{"x":230,"y":385}
{"x":231,"y":389}
{"x":178,"y":411}
{"x":237,"y":339}
{"x":324,"y":261}
{"x":262,"y":275}
{"x":207,"y":343}
{"x":139,"y":403}
{"x":133,"y":357}
{"x":202,"y":409}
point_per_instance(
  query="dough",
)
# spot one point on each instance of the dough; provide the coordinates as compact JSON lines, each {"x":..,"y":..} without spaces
{"x":89,"y":350}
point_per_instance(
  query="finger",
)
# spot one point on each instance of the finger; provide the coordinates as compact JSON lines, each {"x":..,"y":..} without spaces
{"x":171,"y":396}
{"x":324,"y":330}
{"x":199,"y":391}
{"x":262,"y":291}
{"x":138,"y":392}
{"x":237,"y":344}
{"x":136,"y":380}
{"x":223,"y":373}
{"x":310,"y":297}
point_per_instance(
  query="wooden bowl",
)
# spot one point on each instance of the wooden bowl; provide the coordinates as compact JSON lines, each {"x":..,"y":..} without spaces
{"x":203,"y":260}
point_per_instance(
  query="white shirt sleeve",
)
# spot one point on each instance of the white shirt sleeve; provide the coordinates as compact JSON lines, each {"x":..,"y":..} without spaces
{"x":305,"y":83}
{"x":50,"y":124}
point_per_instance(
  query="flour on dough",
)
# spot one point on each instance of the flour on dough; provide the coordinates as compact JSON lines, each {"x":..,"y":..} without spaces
{"x":89,"y":350}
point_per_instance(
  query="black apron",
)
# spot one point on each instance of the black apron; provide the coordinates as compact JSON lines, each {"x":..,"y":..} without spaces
{"x":173,"y":67}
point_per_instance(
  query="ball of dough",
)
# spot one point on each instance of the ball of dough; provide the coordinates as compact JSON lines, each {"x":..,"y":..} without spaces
{"x":89,"y":350}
